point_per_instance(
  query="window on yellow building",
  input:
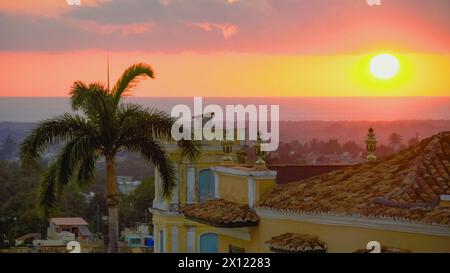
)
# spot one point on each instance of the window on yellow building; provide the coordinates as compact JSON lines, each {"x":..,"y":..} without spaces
{"x":206,"y":185}
{"x":190,"y":185}
{"x":209,"y":243}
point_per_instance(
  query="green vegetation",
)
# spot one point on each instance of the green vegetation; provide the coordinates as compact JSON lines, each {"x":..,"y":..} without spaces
{"x":18,"y":195}
{"x":133,"y":208}
{"x":19,"y":192}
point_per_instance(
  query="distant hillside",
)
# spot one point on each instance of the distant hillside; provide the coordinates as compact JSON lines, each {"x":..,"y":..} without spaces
{"x":307,"y":130}
{"x":18,"y":130}
{"x":357,"y":130}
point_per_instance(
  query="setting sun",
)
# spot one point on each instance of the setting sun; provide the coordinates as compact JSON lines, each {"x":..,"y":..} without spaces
{"x":384,"y":66}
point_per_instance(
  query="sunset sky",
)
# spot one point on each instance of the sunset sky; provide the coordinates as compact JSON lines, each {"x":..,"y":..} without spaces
{"x":226,"y":47}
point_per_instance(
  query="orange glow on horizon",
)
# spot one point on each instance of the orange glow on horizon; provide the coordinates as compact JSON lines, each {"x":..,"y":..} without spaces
{"x":226,"y":74}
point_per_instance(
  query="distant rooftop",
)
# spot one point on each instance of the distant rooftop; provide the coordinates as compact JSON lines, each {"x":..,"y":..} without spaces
{"x":69,"y":221}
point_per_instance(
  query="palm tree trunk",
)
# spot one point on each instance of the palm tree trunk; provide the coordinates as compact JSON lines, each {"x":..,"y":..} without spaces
{"x":113,"y":202}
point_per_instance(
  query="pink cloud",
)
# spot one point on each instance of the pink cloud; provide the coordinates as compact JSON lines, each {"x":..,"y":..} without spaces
{"x":269,"y":26}
{"x":45,"y":8}
{"x":165,"y":2}
{"x":227,"y":29}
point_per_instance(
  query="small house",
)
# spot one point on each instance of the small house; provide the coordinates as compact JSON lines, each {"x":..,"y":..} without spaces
{"x":75,"y":225}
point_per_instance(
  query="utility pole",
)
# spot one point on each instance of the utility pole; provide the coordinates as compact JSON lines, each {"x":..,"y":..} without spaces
{"x":98,"y":218}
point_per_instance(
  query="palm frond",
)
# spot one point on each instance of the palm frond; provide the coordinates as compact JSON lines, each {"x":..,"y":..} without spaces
{"x":137,"y":120}
{"x":59,"y":129}
{"x":92,"y":99}
{"x":129,"y":80}
{"x":153,"y":151}
{"x":190,"y":149}
{"x":80,"y":154}
{"x":47,"y":194}
{"x":86,"y":172}
{"x":134,"y":119}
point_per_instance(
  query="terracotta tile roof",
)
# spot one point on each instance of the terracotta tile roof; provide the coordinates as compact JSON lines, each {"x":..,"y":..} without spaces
{"x":69,"y":221}
{"x":295,"y":172}
{"x":403,"y":186}
{"x":221,"y":213}
{"x":294,"y":242}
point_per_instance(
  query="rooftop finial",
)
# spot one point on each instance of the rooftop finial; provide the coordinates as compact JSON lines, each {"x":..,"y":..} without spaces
{"x":371,"y":143}
{"x":259,"y":163}
{"x":227,"y":146}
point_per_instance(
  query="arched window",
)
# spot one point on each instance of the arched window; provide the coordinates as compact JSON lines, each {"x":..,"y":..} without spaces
{"x":208,"y":243}
{"x":206,"y":185}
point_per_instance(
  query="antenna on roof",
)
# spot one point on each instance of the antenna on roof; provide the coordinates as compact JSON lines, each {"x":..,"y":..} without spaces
{"x":107,"y":68}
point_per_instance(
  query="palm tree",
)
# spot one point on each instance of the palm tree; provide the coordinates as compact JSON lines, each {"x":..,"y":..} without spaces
{"x":105,"y":126}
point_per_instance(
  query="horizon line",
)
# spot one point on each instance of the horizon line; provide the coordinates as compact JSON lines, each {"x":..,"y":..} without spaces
{"x":237,"y":97}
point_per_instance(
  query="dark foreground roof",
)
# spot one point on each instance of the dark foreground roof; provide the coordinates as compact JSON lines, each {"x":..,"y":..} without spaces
{"x":287,"y":173}
{"x":404,"y":186}
{"x":221,"y":213}
{"x":294,"y":242}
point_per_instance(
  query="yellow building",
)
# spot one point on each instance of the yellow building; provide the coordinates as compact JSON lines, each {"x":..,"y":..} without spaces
{"x":195,"y":183}
{"x":401,"y":202}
